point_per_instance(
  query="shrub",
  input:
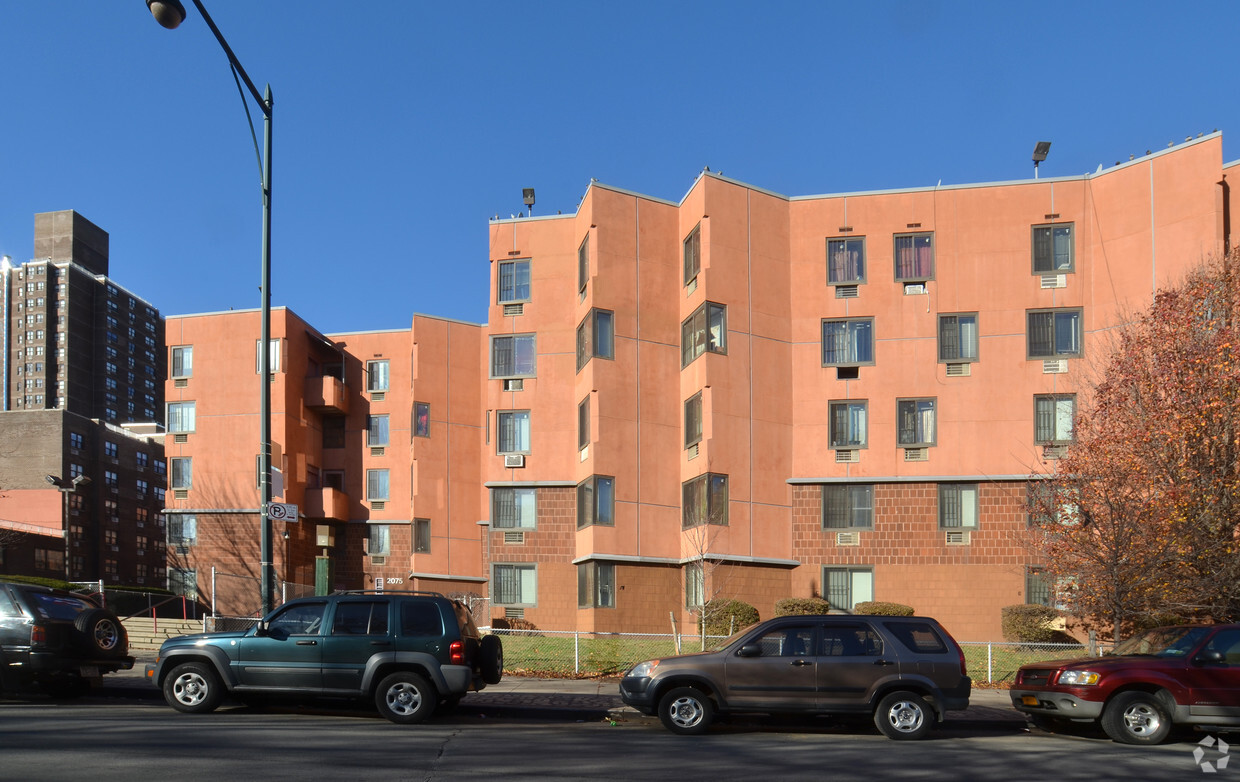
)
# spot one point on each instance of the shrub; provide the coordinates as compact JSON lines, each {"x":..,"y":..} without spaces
{"x":54,"y":583}
{"x":724,"y":617}
{"x":801,"y":606}
{"x":1030,"y":623}
{"x":514,"y":626}
{"x":876,"y":608}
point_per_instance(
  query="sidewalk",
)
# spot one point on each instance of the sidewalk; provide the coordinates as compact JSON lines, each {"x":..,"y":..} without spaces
{"x":570,"y":699}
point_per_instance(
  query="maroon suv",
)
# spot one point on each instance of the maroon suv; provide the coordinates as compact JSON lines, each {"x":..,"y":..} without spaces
{"x":1186,"y":675}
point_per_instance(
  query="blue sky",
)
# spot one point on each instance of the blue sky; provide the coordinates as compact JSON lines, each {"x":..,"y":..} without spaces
{"x":402,"y":126}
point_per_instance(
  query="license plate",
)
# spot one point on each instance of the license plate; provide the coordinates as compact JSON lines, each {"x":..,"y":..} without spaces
{"x":1029,"y":700}
{"x":90,"y":671}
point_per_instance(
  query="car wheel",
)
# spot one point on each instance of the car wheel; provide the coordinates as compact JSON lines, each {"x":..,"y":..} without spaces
{"x":102,"y":632}
{"x":686,"y":711}
{"x":406,"y":698}
{"x":193,"y":688}
{"x":491,"y":659}
{"x":1136,"y":718}
{"x":904,"y":715}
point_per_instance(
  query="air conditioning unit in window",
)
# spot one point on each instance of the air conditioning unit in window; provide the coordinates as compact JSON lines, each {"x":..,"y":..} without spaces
{"x":378,"y":396}
{"x":847,"y":457}
{"x":848,"y":538}
{"x":512,"y":310}
{"x":182,"y":549}
{"x":1054,"y":280}
{"x":1054,"y":451}
{"x":377,"y":451}
{"x":514,"y":460}
{"x":1056,"y":366}
{"x":514,"y":384}
{"x":378,"y":560}
{"x":846,"y":291}
{"x":180,"y":439}
{"x":180,"y":382}
{"x":514,"y":538}
{"x":378,"y":504}
{"x":693,"y":451}
{"x":514,"y":613}
{"x":957,"y":537}
{"x":916,"y":454}
{"x":914,"y":289}
{"x":180,"y":494}
{"x":959,"y":370}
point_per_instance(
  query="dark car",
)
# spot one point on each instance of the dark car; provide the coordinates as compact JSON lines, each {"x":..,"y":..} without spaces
{"x":1183,"y":675}
{"x":57,"y":641}
{"x":904,"y":672}
{"x":411,"y":652}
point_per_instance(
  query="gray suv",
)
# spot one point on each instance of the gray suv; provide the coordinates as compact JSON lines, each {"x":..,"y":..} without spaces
{"x":411,"y":652}
{"x":905,"y":672}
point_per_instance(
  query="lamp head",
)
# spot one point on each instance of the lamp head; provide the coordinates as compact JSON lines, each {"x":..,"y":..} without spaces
{"x":169,"y":13}
{"x":52,"y":479}
{"x":1040,"y":151}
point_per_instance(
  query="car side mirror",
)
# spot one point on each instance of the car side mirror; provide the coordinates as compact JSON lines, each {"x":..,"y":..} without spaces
{"x":1211,"y":656}
{"x":260,"y":630}
{"x":750,"y":650}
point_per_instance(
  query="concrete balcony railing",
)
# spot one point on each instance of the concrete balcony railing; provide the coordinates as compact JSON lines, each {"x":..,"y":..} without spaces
{"x":326,"y":504}
{"x":326,"y":395}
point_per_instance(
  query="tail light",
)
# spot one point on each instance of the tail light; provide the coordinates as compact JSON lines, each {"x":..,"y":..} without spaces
{"x":38,"y":635}
{"x":964,"y":669}
{"x":456,"y":653}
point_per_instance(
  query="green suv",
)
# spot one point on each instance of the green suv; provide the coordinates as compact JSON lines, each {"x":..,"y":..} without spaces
{"x":412,"y":652}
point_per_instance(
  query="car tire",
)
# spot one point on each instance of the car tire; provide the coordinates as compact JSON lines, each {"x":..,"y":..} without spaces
{"x":491,"y":659}
{"x":406,"y":698}
{"x":102,"y":632}
{"x":1136,"y":718}
{"x":193,"y":688}
{"x":686,"y":711}
{"x":904,"y":716}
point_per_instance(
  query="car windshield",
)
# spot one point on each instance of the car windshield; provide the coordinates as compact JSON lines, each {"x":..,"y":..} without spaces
{"x":1163,"y":642}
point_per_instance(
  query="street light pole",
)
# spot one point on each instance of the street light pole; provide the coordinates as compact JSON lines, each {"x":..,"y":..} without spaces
{"x":170,"y":14}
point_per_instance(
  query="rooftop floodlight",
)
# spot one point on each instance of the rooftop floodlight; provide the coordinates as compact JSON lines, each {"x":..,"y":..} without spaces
{"x":52,"y":479}
{"x":1039,"y":154}
{"x":169,"y":13}
{"x":527,"y":195}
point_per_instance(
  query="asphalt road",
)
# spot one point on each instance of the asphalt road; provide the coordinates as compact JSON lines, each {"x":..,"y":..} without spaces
{"x":113,"y":739}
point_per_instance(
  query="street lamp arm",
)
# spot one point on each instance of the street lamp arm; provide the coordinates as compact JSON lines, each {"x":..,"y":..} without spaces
{"x":236,"y":64}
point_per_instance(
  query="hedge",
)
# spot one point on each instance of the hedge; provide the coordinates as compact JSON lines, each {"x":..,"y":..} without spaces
{"x":876,"y":608}
{"x":1030,"y":623}
{"x":724,"y":617}
{"x":802,"y":606}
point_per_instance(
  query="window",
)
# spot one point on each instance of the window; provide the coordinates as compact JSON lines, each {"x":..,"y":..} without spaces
{"x":1037,"y":587}
{"x":1053,"y":333}
{"x":1053,"y":414}
{"x":110,"y":479}
{"x":180,"y":417}
{"x":595,"y":337}
{"x":110,"y":449}
{"x":514,"y":431}
{"x":704,"y":501}
{"x":846,"y":261}
{"x":514,"y":585}
{"x":596,"y":585}
{"x":596,"y":502}
{"x":160,"y":466}
{"x":141,"y":486}
{"x":958,"y":337}
{"x":514,"y":281}
{"x":957,"y":506}
{"x":914,"y":255}
{"x":182,"y":530}
{"x":847,"y":506}
{"x":583,"y":264}
{"x":76,"y":440}
{"x":693,"y":420}
{"x":421,"y":536}
{"x":1052,"y":249}
{"x":379,"y":540}
{"x":376,"y":430}
{"x":695,"y":585}
{"x":693,"y":254}
{"x":513,"y":356}
{"x":421,"y":419}
{"x":142,"y":460}
{"x":298,"y":619}
{"x":847,"y":342}
{"x":583,"y":423}
{"x":183,"y":361}
{"x":420,"y":620}
{"x":706,"y":330}
{"x":844,"y":587}
{"x":848,"y":424}
{"x":376,"y":484}
{"x":915,"y":419}
{"x":273,"y":356}
{"x":513,"y":508}
{"x":183,"y":581}
{"x":376,"y":376}
{"x":361,"y":618}
{"x":182,"y":473}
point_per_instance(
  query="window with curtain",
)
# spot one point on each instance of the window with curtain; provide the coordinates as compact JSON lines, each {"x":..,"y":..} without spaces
{"x":705,"y":331}
{"x":514,"y":431}
{"x":958,"y":337}
{"x":1054,"y":333}
{"x":596,"y":585}
{"x":513,"y":585}
{"x":513,"y":508}
{"x":914,"y":257}
{"x":514,"y":281}
{"x":693,"y":419}
{"x":704,"y":500}
{"x":377,"y":430}
{"x":846,"y":261}
{"x":915,"y":419}
{"x":377,"y":484}
{"x":1053,"y":248}
{"x":595,"y":337}
{"x":596,"y":501}
{"x":1053,"y":414}
{"x":848,"y":506}
{"x":844,"y":587}
{"x":513,"y":355}
{"x":957,"y":506}
{"x":847,"y":342}
{"x":847,"y":424}
{"x":693,"y":253}
{"x":180,"y":417}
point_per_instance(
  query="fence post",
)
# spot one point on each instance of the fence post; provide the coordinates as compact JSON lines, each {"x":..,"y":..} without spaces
{"x":213,"y":590}
{"x":990,"y":663}
{"x":576,"y":651}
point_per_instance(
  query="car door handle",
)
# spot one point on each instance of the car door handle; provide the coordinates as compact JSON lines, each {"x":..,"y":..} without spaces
{"x":802,"y":662}
{"x":380,"y":643}
{"x":307,"y":643}
{"x":881,"y":661}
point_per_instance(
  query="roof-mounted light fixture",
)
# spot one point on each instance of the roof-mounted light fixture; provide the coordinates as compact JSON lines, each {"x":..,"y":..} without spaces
{"x":1039,"y":154}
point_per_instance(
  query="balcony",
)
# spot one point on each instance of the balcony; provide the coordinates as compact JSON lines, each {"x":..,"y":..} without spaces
{"x":326,"y":504}
{"x":326,"y":395}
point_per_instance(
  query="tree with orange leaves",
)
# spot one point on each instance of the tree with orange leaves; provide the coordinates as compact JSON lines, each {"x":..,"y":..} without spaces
{"x":1140,"y":518}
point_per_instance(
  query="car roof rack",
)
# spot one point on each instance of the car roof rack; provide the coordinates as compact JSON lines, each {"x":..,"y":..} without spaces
{"x":387,"y":592}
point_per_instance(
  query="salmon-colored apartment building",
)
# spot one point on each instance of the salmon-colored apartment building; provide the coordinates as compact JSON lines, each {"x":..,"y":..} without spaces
{"x":741,"y":395}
